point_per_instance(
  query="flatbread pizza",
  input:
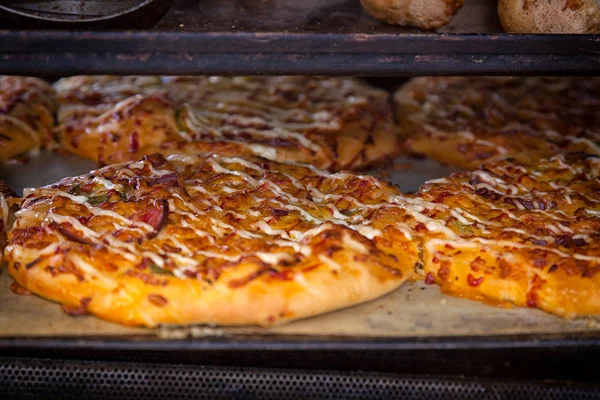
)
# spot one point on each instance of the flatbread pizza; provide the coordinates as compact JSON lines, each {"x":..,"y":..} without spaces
{"x":210,"y":239}
{"x":469,"y":121}
{"x":27,"y":107}
{"x":510,"y":233}
{"x":331,"y":123}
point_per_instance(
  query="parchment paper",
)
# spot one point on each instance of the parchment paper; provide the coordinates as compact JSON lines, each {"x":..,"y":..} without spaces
{"x":415,"y":309}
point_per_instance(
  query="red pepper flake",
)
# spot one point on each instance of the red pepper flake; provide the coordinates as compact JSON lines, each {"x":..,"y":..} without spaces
{"x":78,"y":310}
{"x":430,"y":279}
{"x":157,"y":300}
{"x":134,"y":142}
{"x":477,"y":264}
{"x":420,"y":227}
{"x":190,"y":274}
{"x":474,"y":282}
{"x":532,"y":299}
{"x":20,"y":290}
{"x":444,"y":271}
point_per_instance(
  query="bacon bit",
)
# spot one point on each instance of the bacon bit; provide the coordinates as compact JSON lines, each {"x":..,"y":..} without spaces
{"x":449,"y":246}
{"x":172,"y":179}
{"x":474,"y":282}
{"x":435,"y":260}
{"x":88,"y":187}
{"x":155,"y":217}
{"x":134,"y":142}
{"x":146,"y":278}
{"x":420,"y":227}
{"x":430,"y":279}
{"x":190,"y":274}
{"x":83,"y":220}
{"x":285,"y":275}
{"x":156,"y":159}
{"x":444,"y":270}
{"x":477,"y":264}
{"x":526,"y":203}
{"x":20,"y":290}
{"x":490,"y":194}
{"x":236,"y":283}
{"x":31,"y":233}
{"x":75,"y":311}
{"x":505,"y":267}
{"x":16,"y":266}
{"x":279,"y":213}
{"x":157,"y":300}
{"x":170,"y":249}
{"x":144,"y":264}
{"x":74,"y":235}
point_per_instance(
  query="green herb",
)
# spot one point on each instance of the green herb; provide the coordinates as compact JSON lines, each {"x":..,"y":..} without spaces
{"x":95,"y":200}
{"x":178,"y":121}
{"x":464,"y":229}
{"x":158,"y":270}
{"x":76,"y":190}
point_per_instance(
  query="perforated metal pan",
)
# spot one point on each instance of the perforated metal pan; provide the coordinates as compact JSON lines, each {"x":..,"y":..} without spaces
{"x":76,"y":14}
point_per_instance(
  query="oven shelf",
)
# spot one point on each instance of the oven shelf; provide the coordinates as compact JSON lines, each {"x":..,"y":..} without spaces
{"x":329,"y":37}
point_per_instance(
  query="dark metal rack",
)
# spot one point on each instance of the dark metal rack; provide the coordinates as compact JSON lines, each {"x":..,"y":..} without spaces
{"x":331,"y":37}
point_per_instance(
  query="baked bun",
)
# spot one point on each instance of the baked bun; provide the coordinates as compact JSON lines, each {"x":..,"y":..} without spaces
{"x":424,"y":14}
{"x":550,"y":16}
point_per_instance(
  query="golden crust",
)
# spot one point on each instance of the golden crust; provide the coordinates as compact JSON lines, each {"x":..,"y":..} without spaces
{"x":469,"y":121}
{"x":518,"y":234}
{"x":210,"y":239}
{"x":560,"y":16}
{"x":27,"y":107}
{"x":334,"y":123}
{"x":424,"y":14}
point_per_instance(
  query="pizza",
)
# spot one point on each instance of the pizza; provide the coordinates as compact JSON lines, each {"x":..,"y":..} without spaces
{"x":7,"y":199}
{"x":210,"y":239}
{"x":331,"y":123}
{"x":470,"y":121}
{"x":27,"y":107}
{"x":511,"y":233}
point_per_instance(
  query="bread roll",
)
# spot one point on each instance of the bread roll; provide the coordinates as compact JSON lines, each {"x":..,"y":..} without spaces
{"x":550,"y":16}
{"x":424,"y":14}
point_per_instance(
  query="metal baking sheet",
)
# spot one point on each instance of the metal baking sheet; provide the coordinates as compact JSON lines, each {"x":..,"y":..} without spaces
{"x":414,"y":310}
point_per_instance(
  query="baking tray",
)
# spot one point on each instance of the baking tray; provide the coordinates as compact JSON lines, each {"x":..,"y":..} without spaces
{"x":76,"y":14}
{"x":328,"y":37}
{"x":390,"y":333}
